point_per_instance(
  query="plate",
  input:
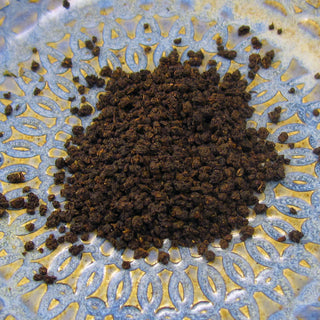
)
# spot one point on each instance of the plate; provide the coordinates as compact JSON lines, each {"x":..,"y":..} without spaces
{"x":258,"y":279}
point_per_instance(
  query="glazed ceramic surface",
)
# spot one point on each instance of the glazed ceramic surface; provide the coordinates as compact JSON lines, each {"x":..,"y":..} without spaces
{"x":258,"y":279}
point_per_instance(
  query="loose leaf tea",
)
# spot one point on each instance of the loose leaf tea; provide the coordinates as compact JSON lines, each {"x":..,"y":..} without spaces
{"x":168,"y":156}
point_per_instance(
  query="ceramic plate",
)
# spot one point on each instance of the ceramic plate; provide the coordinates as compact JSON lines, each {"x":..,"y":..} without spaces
{"x":258,"y":279}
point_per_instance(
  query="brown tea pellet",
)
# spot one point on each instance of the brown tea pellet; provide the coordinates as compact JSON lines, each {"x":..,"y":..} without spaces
{"x":227,"y":54}
{"x":212,"y":63}
{"x":271,"y":26}
{"x":126,"y":265}
{"x":283,"y":137}
{"x":315,"y":112}
{"x":270,"y":54}
{"x":76,"y":249}
{"x":94,"y":39}
{"x":71,"y":237}
{"x":32,"y":201}
{"x":292,"y":90}
{"x":147,"y":49}
{"x":85,"y":110}
{"x":293,"y":210}
{"x":17,"y":203}
{"x":29,"y":227}
{"x":243,"y":30}
{"x":26,"y":189}
{"x":49,"y":279}
{"x":96,"y":51}
{"x":254,"y":65}
{"x":282,"y":239}
{"x":60,"y":164}
{"x":140,"y":253}
{"x":267,"y":59}
{"x":8,"y":110}
{"x":106,"y":71}
{"x":76,"y":79}
{"x":251,"y":74}
{"x":34,"y":50}
{"x":38,"y":277}
{"x":195,"y":58}
{"x":81,"y":89}
{"x":274,"y":115}
{"x":209,"y":255}
{"x":56,"y":204}
{"x":61,"y":239}
{"x":295,"y":236}
{"x":7,"y":95}
{"x":43,"y":270}
{"x":219,"y":41}
{"x":77,"y":131}
{"x":2,"y":212}
{"x":35,"y":66}
{"x":256,"y":43}
{"x":163,"y":257}
{"x":317,"y":76}
{"x":260,"y":208}
{"x":36,"y":91}
{"x":74,"y":110}
{"x":43,"y":209}
{"x":29,"y":246}
{"x":91,"y":80}
{"x":16,"y":177}
{"x":224,"y":244}
{"x":31,"y":211}
{"x":316,"y":151}
{"x":246,"y":232}
{"x":62,"y":229}
{"x":263,"y":133}
{"x":85,"y":237}
{"x":279,"y":31}
{"x":66,"y":4}
{"x":278,"y":109}
{"x":51,"y":242}
{"x":177,"y":41}
{"x":4,"y":203}
{"x":291,"y":145}
{"x":202,"y":247}
{"x":89,"y":45}
{"x":100,"y":83}
{"x":59,"y":177}
{"x":1,"y":134}
{"x":66,"y":63}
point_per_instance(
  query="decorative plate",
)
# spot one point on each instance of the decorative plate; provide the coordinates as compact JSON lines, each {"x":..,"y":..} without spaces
{"x":258,"y":279}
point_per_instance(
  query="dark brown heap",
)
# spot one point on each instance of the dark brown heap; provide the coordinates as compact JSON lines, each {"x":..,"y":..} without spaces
{"x":169,"y":156}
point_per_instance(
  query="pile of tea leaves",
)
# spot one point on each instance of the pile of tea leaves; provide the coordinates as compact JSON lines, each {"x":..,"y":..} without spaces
{"x":169,"y":156}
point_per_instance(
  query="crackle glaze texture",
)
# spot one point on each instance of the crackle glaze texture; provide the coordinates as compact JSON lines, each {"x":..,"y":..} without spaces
{"x":258,"y":279}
